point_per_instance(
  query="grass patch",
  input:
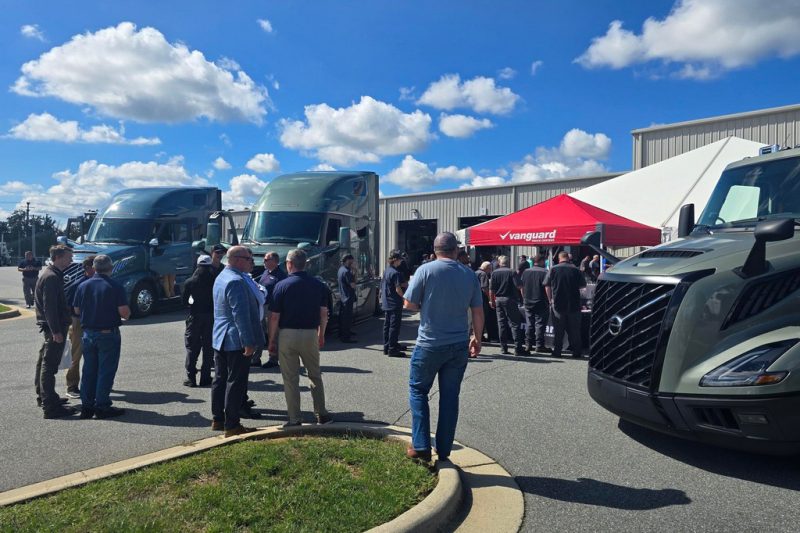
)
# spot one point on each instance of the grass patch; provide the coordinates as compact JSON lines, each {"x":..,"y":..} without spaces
{"x":303,"y":484}
{"x":4,"y":308}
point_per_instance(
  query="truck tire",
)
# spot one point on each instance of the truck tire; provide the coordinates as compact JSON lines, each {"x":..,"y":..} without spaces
{"x":143,"y":299}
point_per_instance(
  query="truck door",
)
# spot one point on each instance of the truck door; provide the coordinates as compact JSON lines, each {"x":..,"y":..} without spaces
{"x":172,"y":258}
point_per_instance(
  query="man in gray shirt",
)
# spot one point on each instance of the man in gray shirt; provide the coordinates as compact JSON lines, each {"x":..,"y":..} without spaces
{"x":443,"y":290}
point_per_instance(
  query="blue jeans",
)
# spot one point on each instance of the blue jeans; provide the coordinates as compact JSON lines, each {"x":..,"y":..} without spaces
{"x":100,"y":363}
{"x":449,"y":362}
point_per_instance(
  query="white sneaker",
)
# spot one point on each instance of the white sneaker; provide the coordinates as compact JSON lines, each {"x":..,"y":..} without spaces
{"x":72,"y":394}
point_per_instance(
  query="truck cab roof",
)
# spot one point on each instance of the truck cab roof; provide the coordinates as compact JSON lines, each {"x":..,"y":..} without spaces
{"x":153,"y":202}
{"x":311,"y":191}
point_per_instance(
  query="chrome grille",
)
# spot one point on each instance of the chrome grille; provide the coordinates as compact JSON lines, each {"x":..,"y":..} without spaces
{"x":627,"y":320}
{"x":73,"y":274}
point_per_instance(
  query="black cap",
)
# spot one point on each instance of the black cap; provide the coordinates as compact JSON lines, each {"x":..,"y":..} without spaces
{"x":219,"y":248}
{"x":347,"y":258}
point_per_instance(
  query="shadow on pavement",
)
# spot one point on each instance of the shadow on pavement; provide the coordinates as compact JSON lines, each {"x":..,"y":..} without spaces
{"x":268,"y":385}
{"x":157,"y":318}
{"x":150,"y":418}
{"x":775,"y":471}
{"x":344,"y":370}
{"x":151,"y":398}
{"x":521,"y":359}
{"x":593,"y":492}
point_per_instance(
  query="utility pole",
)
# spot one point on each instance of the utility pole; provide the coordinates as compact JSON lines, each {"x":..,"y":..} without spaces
{"x":28,"y":224}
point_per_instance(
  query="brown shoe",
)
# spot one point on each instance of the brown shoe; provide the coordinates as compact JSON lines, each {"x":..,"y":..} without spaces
{"x":422,"y":455}
{"x":238,"y":430}
{"x":216,"y":425}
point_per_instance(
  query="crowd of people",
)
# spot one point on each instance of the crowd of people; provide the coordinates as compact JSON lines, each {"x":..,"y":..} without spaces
{"x":279,"y":320}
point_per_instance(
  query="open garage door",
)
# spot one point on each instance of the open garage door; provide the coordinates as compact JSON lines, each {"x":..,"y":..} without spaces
{"x":415,"y":237}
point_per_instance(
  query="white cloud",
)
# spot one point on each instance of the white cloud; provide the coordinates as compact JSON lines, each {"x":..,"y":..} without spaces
{"x":535,"y":66}
{"x":263,"y":163}
{"x":479,"y":94}
{"x":225,"y":139}
{"x":16,"y":187}
{"x":578,"y":143}
{"x":363,"y":132}
{"x":407,"y":93}
{"x":135,"y":74}
{"x":221,"y":164}
{"x":93,"y":184}
{"x":32,"y":31}
{"x":323,"y":167}
{"x":416,"y":175}
{"x":46,"y":127}
{"x":462,"y":126}
{"x":577,"y":155}
{"x":265,"y":25}
{"x":507,"y":73}
{"x":479,"y":181}
{"x":706,"y":37}
{"x":244,"y":191}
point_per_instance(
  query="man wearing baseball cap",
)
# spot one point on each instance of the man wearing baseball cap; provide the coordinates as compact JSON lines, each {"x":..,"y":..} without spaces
{"x":197,"y":294}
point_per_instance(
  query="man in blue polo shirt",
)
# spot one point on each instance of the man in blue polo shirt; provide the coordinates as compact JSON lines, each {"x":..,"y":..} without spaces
{"x":347,"y":298}
{"x":101,"y":303}
{"x":443,"y":290}
{"x":392,"y":305}
{"x":271,"y":276}
{"x":297,"y":331}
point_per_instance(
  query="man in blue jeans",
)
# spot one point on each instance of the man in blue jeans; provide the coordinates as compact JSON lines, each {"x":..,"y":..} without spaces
{"x":102,"y":305}
{"x":443,"y":290}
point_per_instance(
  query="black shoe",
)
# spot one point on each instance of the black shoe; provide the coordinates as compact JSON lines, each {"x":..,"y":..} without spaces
{"x":401,"y":347}
{"x":385,"y":352}
{"x":577,"y":355}
{"x":87,"y":413}
{"x":189,"y":382}
{"x":255,"y":361}
{"x":555,"y":354}
{"x":204,"y":382}
{"x":521,"y":353}
{"x":271,"y":363}
{"x":251,"y":403}
{"x":109,"y":412}
{"x":324,"y":419}
{"x":60,"y":412}
{"x":504,"y":350}
{"x":543,"y":349}
{"x":395,"y":353}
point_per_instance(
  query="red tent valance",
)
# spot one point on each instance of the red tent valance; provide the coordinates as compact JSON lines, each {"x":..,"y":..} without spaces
{"x":561,"y":220}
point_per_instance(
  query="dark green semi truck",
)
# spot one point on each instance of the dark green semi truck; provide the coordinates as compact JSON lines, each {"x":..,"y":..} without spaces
{"x":700,"y":337}
{"x":327,"y":214}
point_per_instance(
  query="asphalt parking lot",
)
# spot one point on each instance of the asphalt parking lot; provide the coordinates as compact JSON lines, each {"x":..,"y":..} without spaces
{"x":579,"y":467}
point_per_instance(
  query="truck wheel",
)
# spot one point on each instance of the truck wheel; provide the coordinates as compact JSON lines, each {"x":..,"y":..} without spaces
{"x":143,"y":299}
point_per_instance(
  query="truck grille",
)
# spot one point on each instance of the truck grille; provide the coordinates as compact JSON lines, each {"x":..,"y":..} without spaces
{"x":72,"y":274}
{"x":627,"y":319}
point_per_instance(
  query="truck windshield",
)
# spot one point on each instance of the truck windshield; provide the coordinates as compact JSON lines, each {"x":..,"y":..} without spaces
{"x":750,"y":193}
{"x":283,"y":226}
{"x":125,"y":230}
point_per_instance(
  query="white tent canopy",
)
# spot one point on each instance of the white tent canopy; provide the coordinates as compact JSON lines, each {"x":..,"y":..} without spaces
{"x":653,"y":195}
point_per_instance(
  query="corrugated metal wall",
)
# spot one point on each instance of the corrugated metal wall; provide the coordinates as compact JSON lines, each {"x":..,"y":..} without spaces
{"x":447,"y":207}
{"x":769,"y":126}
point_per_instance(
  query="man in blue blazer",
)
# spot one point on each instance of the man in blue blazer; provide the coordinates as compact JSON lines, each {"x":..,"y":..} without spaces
{"x":237,"y":334}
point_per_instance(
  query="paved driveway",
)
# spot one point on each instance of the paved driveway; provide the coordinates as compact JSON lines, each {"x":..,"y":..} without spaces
{"x":579,"y":467}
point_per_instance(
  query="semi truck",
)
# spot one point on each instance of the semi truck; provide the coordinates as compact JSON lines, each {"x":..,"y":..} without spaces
{"x":700,"y":337}
{"x":148,"y":233}
{"x":327,"y":214}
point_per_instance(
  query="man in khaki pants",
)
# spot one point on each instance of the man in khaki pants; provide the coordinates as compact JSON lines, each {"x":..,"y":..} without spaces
{"x":76,"y":332}
{"x":297,"y":324}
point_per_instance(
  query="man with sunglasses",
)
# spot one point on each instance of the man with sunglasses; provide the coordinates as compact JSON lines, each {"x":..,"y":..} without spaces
{"x":237,"y":335}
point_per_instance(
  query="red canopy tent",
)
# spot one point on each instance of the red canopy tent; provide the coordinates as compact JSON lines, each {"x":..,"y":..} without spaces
{"x":561,"y":220}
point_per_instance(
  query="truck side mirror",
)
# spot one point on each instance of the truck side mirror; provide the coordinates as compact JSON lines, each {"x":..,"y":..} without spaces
{"x":153,"y":242}
{"x":344,"y":238}
{"x":766,"y":231}
{"x":62,"y":240}
{"x":213,"y":232}
{"x":199,"y":246}
{"x":686,"y":220}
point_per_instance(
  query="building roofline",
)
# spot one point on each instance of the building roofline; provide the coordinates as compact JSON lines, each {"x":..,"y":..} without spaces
{"x":746,"y":114}
{"x":505,"y":185}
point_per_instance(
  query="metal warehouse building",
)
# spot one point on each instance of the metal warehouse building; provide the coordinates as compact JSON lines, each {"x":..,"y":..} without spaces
{"x":777,"y":125}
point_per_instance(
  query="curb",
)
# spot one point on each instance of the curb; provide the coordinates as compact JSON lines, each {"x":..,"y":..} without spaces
{"x":497,"y":504}
{"x":9,"y":314}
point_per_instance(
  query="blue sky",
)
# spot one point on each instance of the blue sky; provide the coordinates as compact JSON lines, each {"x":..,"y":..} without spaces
{"x":431,"y":95}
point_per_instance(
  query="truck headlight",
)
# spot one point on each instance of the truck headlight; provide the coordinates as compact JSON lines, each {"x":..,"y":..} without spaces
{"x":750,"y":368}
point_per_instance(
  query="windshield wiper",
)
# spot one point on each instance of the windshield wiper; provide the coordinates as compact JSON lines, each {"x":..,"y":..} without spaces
{"x":702,"y":227}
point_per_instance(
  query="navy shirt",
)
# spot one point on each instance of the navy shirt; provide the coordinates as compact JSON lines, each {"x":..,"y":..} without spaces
{"x":346,"y":291}
{"x":392,"y":279}
{"x":298,"y":299}
{"x":269,"y":279}
{"x":32,"y":263}
{"x":72,"y":289}
{"x":533,"y":285}
{"x":99,"y":298}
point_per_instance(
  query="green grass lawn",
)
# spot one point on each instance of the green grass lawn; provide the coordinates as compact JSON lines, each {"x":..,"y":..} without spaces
{"x":304,"y":484}
{"x":4,"y":308}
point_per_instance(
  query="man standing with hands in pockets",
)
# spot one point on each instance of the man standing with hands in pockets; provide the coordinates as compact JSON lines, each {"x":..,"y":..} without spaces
{"x":443,"y":290}
{"x":236,"y":336}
